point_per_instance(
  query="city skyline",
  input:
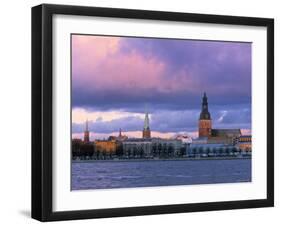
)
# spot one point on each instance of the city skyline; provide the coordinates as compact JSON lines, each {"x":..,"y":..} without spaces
{"x":114,"y":78}
{"x":139,"y":134}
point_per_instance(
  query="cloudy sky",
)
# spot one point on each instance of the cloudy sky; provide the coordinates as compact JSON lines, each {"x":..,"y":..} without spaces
{"x":115,"y":79}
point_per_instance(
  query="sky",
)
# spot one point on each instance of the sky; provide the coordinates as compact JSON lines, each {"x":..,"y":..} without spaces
{"x":116,"y":79}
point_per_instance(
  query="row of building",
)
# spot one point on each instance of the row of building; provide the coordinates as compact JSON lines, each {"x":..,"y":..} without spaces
{"x":210,"y":142}
{"x":123,"y":146}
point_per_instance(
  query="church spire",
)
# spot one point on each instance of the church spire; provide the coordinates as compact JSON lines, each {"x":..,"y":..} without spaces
{"x":205,"y":122}
{"x":146,"y":129}
{"x":86,"y":133}
{"x":205,"y":114}
{"x":146,"y":121}
{"x":86,"y":125}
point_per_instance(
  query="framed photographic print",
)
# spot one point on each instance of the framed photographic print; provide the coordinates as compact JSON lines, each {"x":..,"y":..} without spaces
{"x":145,"y":112}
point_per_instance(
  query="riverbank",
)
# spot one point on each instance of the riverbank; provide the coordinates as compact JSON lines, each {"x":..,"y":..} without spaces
{"x":156,"y":159}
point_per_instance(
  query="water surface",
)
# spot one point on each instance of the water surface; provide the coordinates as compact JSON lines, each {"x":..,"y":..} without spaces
{"x":125,"y":174}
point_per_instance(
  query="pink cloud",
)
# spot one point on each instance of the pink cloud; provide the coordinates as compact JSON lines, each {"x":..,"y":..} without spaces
{"x":99,"y":63}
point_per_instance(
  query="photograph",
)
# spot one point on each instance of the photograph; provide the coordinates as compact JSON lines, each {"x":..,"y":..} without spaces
{"x":141,"y":112}
{"x":154,"y":111}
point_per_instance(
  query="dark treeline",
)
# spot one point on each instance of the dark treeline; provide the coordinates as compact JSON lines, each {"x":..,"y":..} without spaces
{"x":88,"y":151}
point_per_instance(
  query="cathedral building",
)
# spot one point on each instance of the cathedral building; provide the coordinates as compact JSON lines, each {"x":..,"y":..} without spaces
{"x":211,"y":135}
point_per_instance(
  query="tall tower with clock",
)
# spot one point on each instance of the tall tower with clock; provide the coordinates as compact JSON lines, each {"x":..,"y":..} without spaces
{"x":205,"y":121}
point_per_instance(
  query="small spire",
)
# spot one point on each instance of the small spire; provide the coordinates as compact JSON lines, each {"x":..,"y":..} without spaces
{"x":146,"y":121}
{"x":205,"y":98}
{"x":87,"y":133}
{"x":205,"y":112}
{"x":87,"y":124}
{"x":120,"y":132}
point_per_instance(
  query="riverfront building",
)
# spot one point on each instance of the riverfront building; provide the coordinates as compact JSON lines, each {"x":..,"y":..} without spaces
{"x":151,"y":147}
{"x":244,"y":143}
{"x":216,"y":141}
{"x":205,"y":129}
{"x":106,"y":146}
{"x":210,"y":142}
{"x":137,"y":147}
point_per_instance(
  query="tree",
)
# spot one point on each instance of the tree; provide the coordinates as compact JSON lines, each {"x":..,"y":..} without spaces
{"x":207,"y":151}
{"x":75,"y":149}
{"x":141,"y":152}
{"x":159,"y":149}
{"x":195,"y":150}
{"x":220,"y":151}
{"x":119,"y":150}
{"x":240,"y":151}
{"x":129,"y":152}
{"x":135,"y":152}
{"x":182,"y":151}
{"x":226,"y":151}
{"x":170,"y":150}
{"x":154,"y":149}
{"x":104,"y":154}
{"x":191,"y":150}
{"x":98,"y":154}
{"x":201,"y":150}
{"x":234,"y":149}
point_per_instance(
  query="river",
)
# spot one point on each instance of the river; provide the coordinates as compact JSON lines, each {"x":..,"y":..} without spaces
{"x":126,"y":174}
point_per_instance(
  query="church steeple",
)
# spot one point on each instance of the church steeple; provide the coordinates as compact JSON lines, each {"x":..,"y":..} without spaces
{"x":205,"y":114}
{"x":86,"y":133}
{"x":205,"y":122}
{"x":146,"y":130}
{"x":146,"y":121}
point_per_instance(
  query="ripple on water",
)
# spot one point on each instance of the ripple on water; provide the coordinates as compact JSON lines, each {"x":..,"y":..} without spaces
{"x":98,"y":175}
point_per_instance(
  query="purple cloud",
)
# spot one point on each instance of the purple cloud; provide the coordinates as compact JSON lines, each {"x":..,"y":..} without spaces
{"x":127,"y":74}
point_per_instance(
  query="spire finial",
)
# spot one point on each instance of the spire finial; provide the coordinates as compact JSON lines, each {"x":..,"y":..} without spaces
{"x":87,"y":133}
{"x":146,"y":129}
{"x":146,"y":121}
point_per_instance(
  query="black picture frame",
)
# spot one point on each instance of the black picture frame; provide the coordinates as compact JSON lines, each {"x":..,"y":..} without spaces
{"x":42,"y":107}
